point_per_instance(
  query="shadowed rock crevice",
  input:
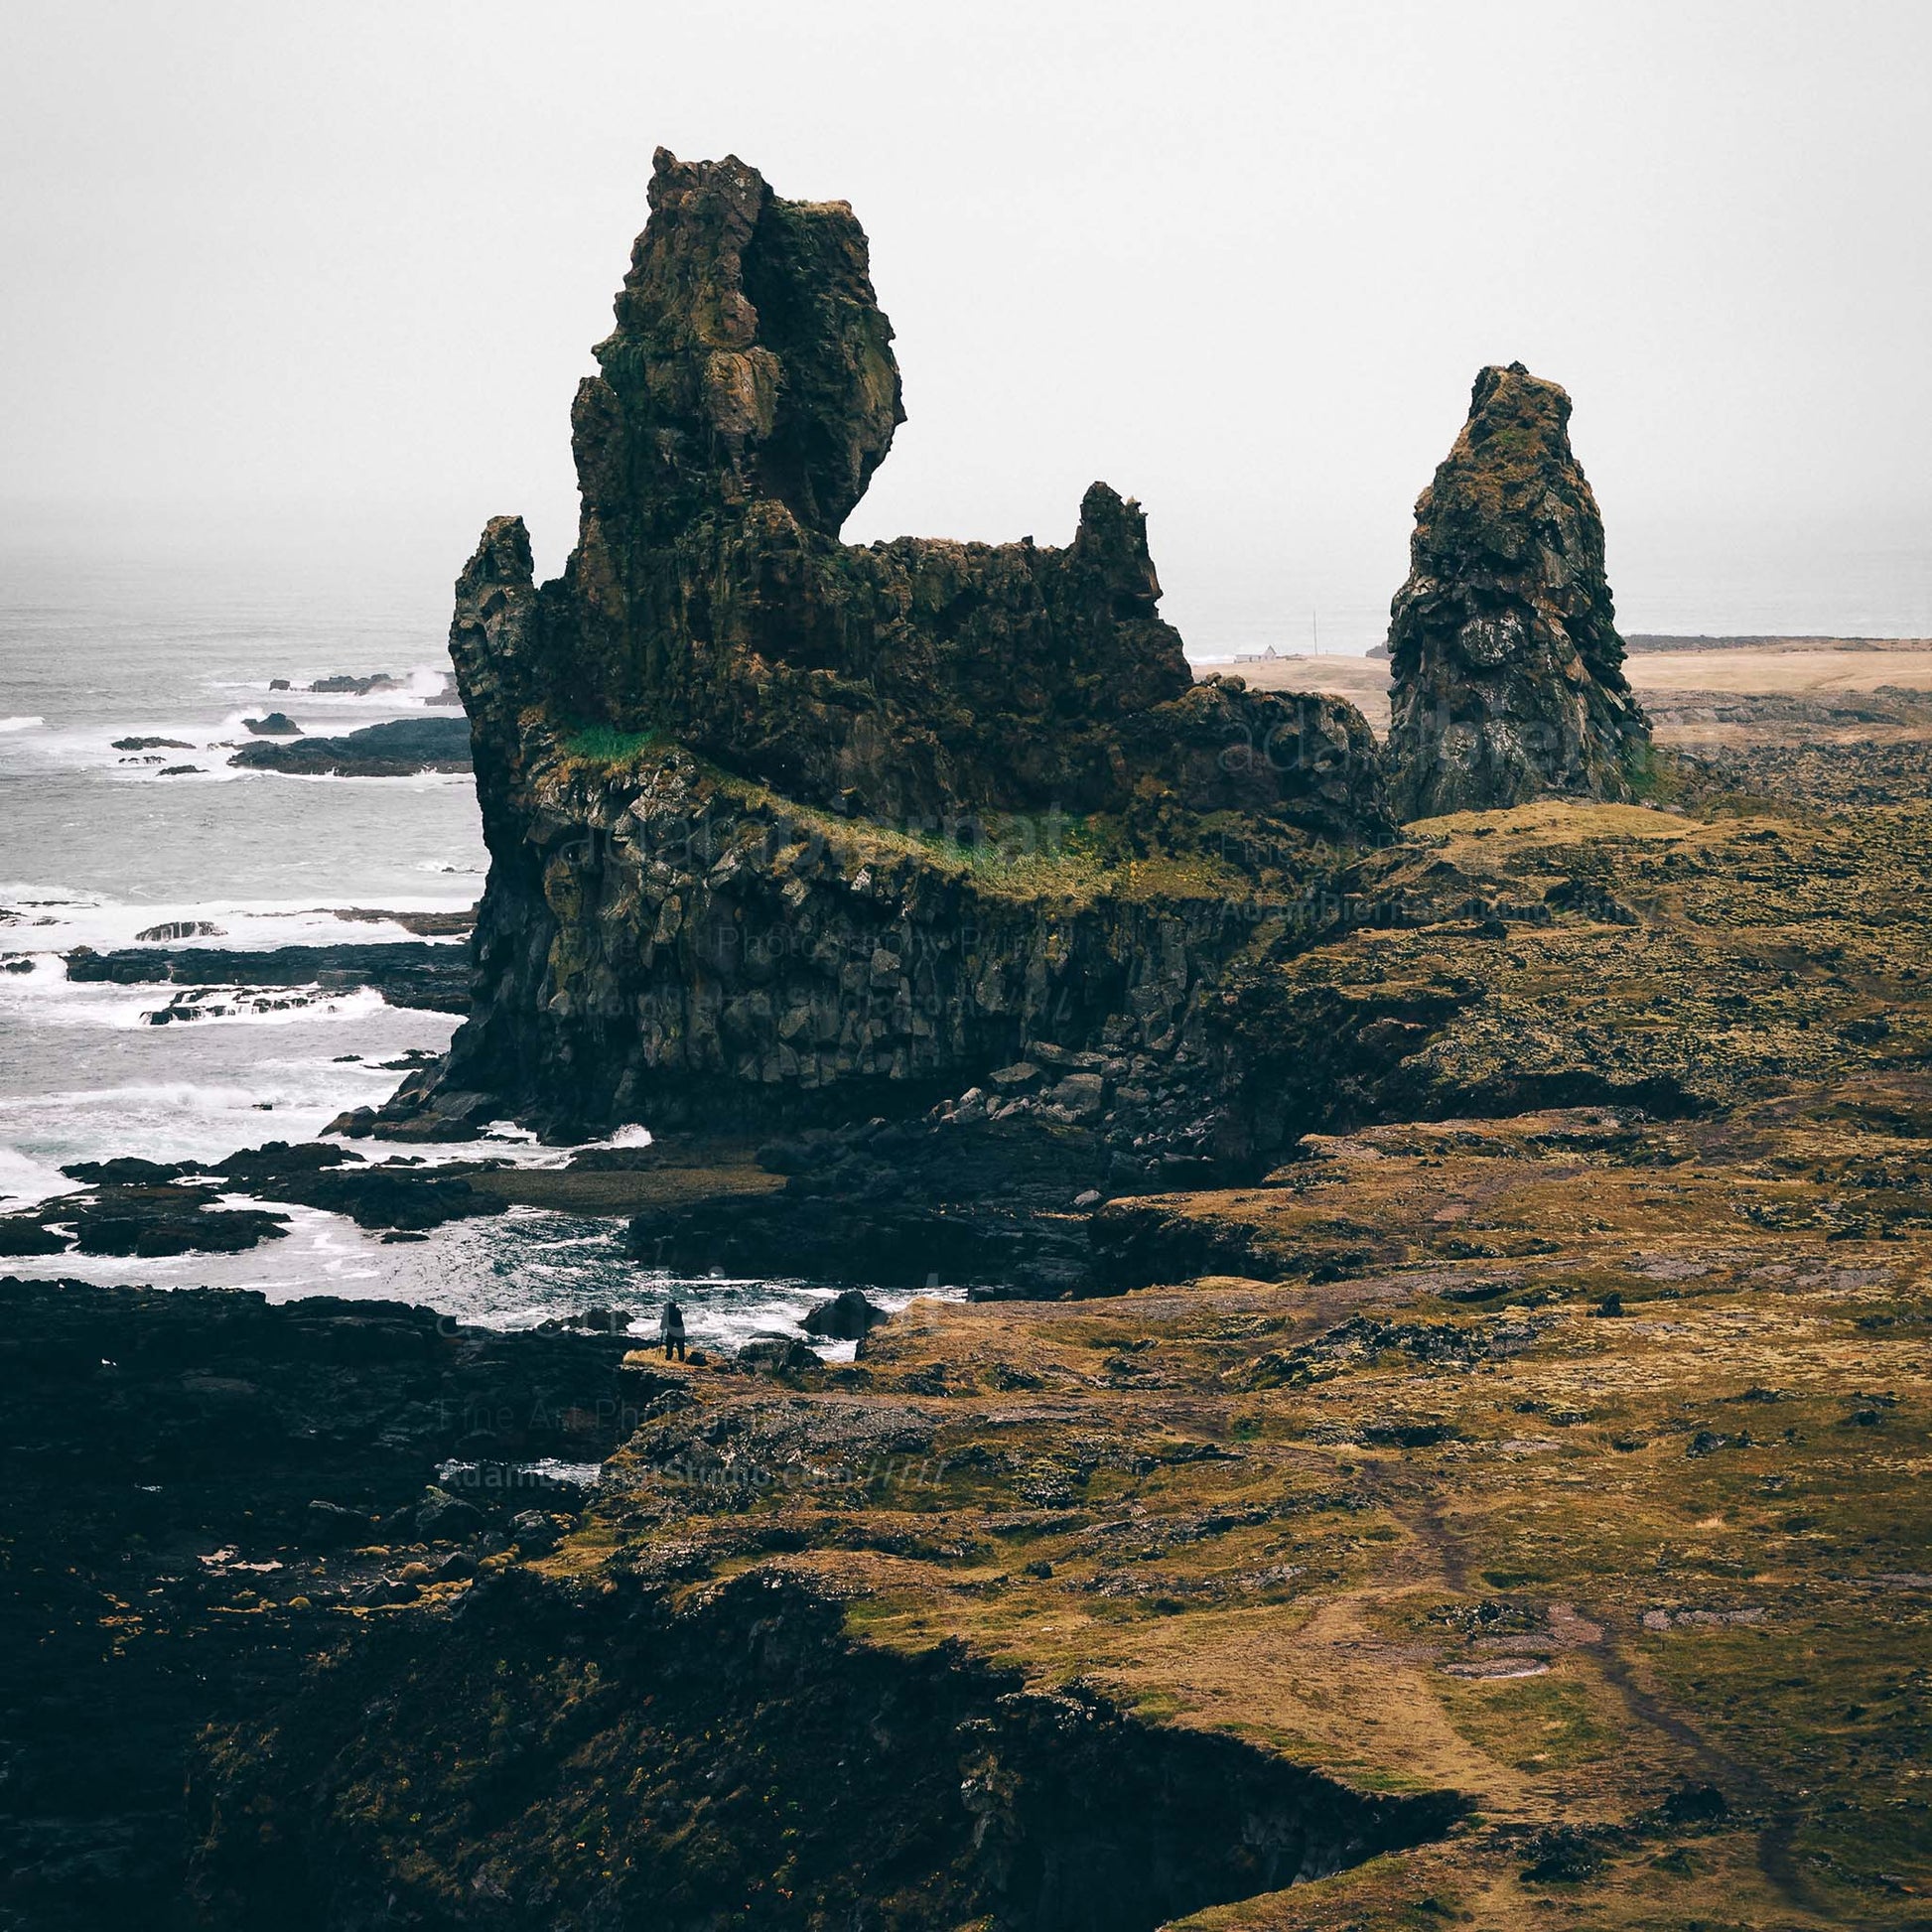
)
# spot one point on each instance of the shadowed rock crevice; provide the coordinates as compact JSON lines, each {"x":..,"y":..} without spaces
{"x":632,"y":1763}
{"x":1507,"y":664}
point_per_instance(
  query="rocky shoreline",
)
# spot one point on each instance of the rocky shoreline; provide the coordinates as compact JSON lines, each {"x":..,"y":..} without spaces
{"x":1437,"y":1430}
{"x":198,"y":1486}
{"x":268,"y":1476}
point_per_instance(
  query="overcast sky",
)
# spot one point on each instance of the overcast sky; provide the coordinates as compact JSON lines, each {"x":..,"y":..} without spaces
{"x":340,"y":261}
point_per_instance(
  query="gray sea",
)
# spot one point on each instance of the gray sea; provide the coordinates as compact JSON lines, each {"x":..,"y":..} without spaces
{"x":99,"y":845}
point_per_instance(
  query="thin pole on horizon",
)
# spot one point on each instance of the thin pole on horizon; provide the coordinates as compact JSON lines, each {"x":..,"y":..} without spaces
{"x":1314,"y":624}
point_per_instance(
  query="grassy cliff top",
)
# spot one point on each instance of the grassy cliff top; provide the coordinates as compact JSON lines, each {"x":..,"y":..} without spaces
{"x":1606,"y":1497}
{"x":1572,"y":1461}
{"x":1025,"y":857}
{"x":1549,"y":1433}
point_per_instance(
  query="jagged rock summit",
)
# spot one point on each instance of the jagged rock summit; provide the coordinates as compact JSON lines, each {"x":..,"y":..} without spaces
{"x":1506,"y":660}
{"x":744,"y":398}
{"x":783,"y":826}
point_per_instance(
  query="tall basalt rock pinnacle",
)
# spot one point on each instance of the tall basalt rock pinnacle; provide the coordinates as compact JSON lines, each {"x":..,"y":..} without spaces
{"x":777,"y":824}
{"x":1507,"y":665}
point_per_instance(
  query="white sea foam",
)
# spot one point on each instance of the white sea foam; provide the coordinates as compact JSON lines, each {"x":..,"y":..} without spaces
{"x":415,"y":688}
{"x":19,"y":724}
{"x":513,"y":1146}
{"x":260,"y":1006}
{"x":405,"y":781}
{"x":248,"y":924}
{"x":24,"y":1180}
{"x":47,"y":998}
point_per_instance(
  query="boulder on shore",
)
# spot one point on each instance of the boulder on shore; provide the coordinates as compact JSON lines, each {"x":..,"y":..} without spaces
{"x":847,"y":1316}
{"x":777,"y":1355}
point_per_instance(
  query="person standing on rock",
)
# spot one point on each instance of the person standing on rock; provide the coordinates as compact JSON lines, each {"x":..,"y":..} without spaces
{"x":670,"y":1329}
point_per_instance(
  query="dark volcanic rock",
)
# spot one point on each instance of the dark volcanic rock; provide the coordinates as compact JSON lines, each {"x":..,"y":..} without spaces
{"x":383,"y":1199}
{"x":173,"y":1224}
{"x":278,"y":724}
{"x":138,"y":1208}
{"x":406,"y":974}
{"x":745,"y":398}
{"x":211,"y":1464}
{"x":129,"y":1170}
{"x":847,"y":1316}
{"x":425,"y":925}
{"x":777,"y":1355}
{"x":327,"y":1525}
{"x":1507,"y":663}
{"x":141,"y":1207}
{"x":786,"y":830}
{"x":359,"y":687}
{"x":21,"y":1234}
{"x":392,"y":751}
{"x":977,"y":1800}
{"x":905,"y":1204}
{"x":747,"y":395}
{"x":318,"y":1174}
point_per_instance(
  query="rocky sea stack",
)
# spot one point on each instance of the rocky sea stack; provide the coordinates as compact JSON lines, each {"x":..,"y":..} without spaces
{"x":783,"y":827}
{"x":1507,"y":664}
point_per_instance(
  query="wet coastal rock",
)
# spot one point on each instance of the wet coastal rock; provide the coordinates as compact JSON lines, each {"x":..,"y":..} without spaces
{"x":847,"y":1316}
{"x":1507,"y":664}
{"x":148,"y":1209}
{"x":397,"y":750}
{"x":407,"y":973}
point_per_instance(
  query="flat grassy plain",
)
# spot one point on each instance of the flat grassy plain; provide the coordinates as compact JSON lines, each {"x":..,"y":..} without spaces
{"x":1804,"y":668}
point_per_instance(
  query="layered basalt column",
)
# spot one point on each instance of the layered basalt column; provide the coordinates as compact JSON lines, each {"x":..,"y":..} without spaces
{"x":738,"y":779}
{"x":1507,"y":664}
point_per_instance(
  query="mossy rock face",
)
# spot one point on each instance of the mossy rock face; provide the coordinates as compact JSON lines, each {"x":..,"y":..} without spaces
{"x":1507,"y":664}
{"x":729,"y":766}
